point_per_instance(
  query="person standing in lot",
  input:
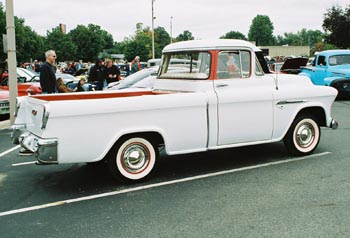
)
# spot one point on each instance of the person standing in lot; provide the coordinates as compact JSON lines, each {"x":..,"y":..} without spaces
{"x":135,"y":65}
{"x":112,"y":72}
{"x":97,"y":74}
{"x":47,"y":73}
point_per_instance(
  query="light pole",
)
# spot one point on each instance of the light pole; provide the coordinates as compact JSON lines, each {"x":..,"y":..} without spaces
{"x":153,"y":30}
{"x":11,"y":57}
{"x":171,"y":29}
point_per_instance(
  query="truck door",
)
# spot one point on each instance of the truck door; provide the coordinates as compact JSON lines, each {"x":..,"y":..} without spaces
{"x":245,"y":99}
{"x":320,"y":70}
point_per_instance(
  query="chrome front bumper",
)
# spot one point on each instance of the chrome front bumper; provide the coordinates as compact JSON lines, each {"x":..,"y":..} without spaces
{"x":45,"y":150}
{"x":334,"y":124}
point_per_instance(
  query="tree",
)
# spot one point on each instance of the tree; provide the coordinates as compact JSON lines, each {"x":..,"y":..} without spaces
{"x":234,"y":35}
{"x":90,"y":41}
{"x":61,"y":43}
{"x":185,"y":36}
{"x":3,"y":56}
{"x":161,"y":39}
{"x":261,"y":30}
{"x":29,"y":45}
{"x":337,"y":23}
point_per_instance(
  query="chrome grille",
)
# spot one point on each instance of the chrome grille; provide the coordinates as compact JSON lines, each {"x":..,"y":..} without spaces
{"x":4,"y":104}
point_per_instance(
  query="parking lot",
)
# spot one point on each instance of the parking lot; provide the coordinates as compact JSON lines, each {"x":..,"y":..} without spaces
{"x":255,"y":191}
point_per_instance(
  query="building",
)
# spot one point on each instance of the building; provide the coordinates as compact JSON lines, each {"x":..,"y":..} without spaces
{"x":274,"y":51}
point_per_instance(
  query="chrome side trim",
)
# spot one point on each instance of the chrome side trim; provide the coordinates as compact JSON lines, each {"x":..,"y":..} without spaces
{"x":290,"y":102}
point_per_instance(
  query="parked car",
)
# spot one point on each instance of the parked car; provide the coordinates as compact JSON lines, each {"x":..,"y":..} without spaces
{"x":30,"y":75}
{"x":132,"y":79}
{"x":4,"y":102}
{"x":331,"y":68}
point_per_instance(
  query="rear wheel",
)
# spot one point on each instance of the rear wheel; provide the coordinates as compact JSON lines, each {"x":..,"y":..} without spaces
{"x":133,"y":159}
{"x":303,"y":136}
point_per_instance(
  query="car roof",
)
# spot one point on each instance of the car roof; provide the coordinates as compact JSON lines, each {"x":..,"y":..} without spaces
{"x":209,"y":45}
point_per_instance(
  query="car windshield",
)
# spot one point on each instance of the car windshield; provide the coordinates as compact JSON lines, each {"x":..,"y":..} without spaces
{"x":339,"y":60}
{"x":195,"y":65}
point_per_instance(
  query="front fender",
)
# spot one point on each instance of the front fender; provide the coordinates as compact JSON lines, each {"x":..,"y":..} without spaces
{"x":330,"y":81}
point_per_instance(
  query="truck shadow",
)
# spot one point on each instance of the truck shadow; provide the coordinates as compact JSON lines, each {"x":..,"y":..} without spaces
{"x":85,"y":179}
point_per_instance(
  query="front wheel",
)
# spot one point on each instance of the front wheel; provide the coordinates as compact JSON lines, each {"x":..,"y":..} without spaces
{"x":303,"y":136}
{"x":133,"y":159}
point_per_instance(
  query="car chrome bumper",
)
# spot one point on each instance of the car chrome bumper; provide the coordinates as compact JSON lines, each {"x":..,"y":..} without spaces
{"x":334,"y":124}
{"x":45,"y":150}
{"x":17,"y":131}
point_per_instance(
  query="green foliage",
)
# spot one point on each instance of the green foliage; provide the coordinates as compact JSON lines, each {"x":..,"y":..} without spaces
{"x":337,"y":23}
{"x":141,"y":43}
{"x":185,"y":36}
{"x":28,"y":43}
{"x":90,"y":41}
{"x":61,"y":43}
{"x":161,"y":39}
{"x":3,"y":56}
{"x":234,"y":35}
{"x":301,"y":38}
{"x":261,"y":30}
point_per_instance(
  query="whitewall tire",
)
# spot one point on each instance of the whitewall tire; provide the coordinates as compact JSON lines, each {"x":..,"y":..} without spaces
{"x":134,"y":159}
{"x":303,"y":136}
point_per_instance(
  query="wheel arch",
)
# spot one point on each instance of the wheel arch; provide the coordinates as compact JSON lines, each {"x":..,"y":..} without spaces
{"x":155,"y":138}
{"x":317,"y":111}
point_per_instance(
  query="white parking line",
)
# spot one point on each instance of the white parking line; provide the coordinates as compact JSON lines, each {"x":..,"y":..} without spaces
{"x":9,"y":151}
{"x":74,"y":200}
{"x":25,"y":163}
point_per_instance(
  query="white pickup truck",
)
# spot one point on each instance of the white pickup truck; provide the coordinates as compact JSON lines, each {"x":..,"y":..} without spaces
{"x":223,"y":96}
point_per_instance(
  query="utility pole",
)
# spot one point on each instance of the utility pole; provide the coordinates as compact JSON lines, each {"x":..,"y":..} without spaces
{"x":11,"y":57}
{"x":153,"y":30}
{"x":171,"y":29}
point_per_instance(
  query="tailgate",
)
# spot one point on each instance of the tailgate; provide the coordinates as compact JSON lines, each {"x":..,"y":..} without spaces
{"x":33,"y":114}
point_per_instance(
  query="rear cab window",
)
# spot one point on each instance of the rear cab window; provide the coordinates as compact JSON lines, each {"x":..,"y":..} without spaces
{"x":194,"y":65}
{"x":234,"y":64}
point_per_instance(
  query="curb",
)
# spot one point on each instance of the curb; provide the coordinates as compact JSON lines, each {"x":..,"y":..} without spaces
{"x":4,"y":124}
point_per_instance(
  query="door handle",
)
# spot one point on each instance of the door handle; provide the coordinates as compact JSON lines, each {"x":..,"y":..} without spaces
{"x":221,"y":85}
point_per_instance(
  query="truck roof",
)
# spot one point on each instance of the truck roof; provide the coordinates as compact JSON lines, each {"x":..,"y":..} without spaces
{"x":209,"y":45}
{"x":334,"y":52}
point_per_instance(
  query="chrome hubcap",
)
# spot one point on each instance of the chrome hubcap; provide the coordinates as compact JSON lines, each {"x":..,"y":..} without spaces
{"x":305,"y":135}
{"x":135,"y":158}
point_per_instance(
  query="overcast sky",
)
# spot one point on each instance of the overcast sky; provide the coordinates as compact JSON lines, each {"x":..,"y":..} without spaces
{"x":204,"y":18}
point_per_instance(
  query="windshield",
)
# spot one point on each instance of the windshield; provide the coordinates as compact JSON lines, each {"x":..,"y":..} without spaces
{"x":339,"y":60}
{"x":192,"y":65}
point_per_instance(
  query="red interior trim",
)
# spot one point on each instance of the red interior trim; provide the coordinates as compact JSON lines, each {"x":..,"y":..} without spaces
{"x":72,"y":96}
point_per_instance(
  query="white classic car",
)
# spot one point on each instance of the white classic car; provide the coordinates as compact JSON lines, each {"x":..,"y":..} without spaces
{"x":225,"y":97}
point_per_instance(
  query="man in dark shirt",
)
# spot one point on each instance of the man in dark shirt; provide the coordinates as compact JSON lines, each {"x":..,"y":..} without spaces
{"x":47,"y":73}
{"x":97,"y":74}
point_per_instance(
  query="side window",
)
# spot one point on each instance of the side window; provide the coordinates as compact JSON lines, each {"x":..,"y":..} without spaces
{"x":234,"y":64}
{"x":258,"y":70}
{"x":321,"y":60}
